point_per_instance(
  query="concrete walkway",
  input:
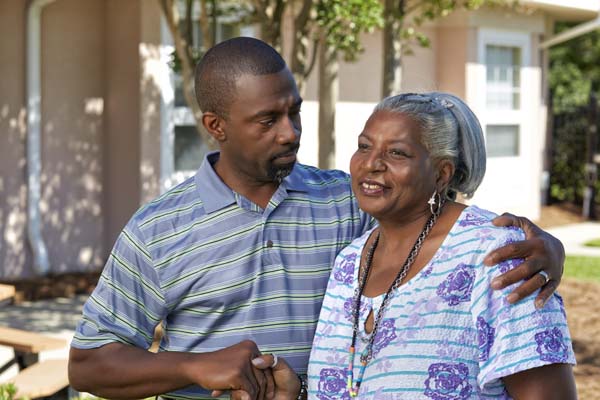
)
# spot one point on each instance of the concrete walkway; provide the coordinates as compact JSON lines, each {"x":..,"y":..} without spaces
{"x":56,"y":318}
{"x":575,"y":235}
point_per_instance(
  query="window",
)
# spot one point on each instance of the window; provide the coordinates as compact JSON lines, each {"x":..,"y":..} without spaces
{"x":503,"y":77}
{"x":502,"y":140}
{"x":504,"y":55}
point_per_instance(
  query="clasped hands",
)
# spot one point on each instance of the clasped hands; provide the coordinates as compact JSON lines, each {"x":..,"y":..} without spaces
{"x":249,"y":375}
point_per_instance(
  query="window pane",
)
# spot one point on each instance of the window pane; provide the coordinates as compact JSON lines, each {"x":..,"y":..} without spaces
{"x":502,"y":140}
{"x":503,"y":75}
{"x":189,"y":149}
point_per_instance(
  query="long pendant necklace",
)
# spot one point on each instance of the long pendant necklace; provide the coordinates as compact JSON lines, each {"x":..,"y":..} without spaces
{"x":367,"y":354}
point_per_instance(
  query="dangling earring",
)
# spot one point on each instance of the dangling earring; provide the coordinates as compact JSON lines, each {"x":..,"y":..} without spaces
{"x":435,"y":202}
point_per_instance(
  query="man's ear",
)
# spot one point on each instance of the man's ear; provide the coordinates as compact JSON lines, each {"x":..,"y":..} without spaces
{"x":445,"y":173}
{"x":215,"y":125}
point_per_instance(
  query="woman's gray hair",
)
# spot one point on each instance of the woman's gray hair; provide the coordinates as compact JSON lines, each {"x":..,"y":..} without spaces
{"x":450,"y":131}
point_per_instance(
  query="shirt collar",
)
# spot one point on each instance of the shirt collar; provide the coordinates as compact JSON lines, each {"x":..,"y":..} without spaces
{"x":215,"y":194}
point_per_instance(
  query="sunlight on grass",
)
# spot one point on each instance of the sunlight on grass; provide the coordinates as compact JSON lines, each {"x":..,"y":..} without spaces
{"x":587,"y":268}
{"x":593,"y":243}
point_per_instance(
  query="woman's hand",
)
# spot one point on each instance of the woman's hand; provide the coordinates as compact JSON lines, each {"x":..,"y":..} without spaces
{"x":286,"y":382}
{"x":541,"y":252}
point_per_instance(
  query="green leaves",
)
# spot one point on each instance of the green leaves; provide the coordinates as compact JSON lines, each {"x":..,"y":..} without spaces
{"x":344,"y":21}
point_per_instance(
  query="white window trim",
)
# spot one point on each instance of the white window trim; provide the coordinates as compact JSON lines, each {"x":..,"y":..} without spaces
{"x":488,"y":116}
{"x":171,"y":117}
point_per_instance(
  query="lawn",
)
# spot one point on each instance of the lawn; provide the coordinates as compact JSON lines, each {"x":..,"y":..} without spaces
{"x":587,"y":268}
{"x":593,"y":243}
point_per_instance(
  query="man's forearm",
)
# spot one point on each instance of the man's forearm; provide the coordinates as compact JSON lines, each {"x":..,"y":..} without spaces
{"x":119,"y":371}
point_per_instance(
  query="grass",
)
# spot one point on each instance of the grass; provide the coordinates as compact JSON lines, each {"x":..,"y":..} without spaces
{"x":593,"y":243}
{"x":586,"y":268}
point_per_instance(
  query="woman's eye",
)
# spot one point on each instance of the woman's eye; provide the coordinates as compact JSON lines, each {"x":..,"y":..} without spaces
{"x":397,"y":153}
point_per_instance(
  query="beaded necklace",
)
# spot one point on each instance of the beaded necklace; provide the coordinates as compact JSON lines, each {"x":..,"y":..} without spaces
{"x":367,"y":354}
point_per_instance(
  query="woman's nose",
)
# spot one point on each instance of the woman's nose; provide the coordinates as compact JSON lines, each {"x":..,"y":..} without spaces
{"x":375,"y":162}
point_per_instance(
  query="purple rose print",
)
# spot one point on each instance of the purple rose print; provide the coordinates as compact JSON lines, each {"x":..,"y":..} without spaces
{"x":448,"y":382}
{"x":345,"y":272}
{"x":385,"y":334}
{"x":349,"y":308}
{"x":472,"y":220}
{"x":485,"y":338}
{"x":550,"y":345}
{"x":332,"y":384}
{"x":457,"y":287}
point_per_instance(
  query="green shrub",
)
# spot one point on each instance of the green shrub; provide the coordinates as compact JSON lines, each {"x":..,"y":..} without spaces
{"x":7,"y":391}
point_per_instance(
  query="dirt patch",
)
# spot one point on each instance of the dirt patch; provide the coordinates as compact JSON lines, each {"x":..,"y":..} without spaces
{"x":559,"y":214}
{"x":53,"y":286}
{"x":582,"y":302}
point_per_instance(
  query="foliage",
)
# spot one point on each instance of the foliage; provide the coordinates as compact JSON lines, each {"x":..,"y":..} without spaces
{"x":574,"y":70}
{"x":586,"y":268}
{"x":593,"y":243}
{"x":344,"y":20}
{"x":7,"y":391}
{"x":573,"y":75}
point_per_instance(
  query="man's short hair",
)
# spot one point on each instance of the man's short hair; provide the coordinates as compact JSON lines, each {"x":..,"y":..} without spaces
{"x":222,"y":65}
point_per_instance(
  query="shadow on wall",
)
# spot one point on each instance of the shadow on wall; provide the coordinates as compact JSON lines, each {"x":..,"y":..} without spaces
{"x":70,"y":206}
{"x":14,"y":252}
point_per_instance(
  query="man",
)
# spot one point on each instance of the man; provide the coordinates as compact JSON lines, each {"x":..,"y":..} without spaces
{"x":237,"y":255}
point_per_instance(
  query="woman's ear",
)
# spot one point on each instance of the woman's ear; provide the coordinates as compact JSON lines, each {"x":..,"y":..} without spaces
{"x":214,"y":125}
{"x":445,"y":173}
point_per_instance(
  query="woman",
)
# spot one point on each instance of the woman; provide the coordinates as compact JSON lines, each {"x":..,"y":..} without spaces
{"x":409,"y":313}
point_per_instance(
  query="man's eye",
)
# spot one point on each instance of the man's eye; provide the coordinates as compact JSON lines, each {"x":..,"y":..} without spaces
{"x":267,"y":122}
{"x":363,"y":146}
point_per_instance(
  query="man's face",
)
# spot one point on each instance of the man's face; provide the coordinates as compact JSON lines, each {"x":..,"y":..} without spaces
{"x":263,"y":127}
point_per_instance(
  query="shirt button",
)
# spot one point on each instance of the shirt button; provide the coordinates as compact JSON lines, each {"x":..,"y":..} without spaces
{"x":269,"y":243}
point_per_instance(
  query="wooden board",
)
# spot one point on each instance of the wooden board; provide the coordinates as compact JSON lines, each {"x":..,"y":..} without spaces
{"x":7,"y":292}
{"x":42,"y":379}
{"x":29,"y":342}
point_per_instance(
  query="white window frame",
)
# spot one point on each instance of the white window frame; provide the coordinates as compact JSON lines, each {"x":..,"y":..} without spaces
{"x":517,"y":116}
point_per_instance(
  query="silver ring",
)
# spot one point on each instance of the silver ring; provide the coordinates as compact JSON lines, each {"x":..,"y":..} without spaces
{"x":544,"y":275}
{"x":275,"y":360}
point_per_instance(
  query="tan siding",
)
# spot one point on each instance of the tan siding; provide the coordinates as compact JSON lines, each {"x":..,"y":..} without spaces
{"x":122,"y":109}
{"x":15,"y":256}
{"x":72,"y":128}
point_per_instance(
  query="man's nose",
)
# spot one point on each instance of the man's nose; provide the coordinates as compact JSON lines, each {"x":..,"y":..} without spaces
{"x":288,"y":132}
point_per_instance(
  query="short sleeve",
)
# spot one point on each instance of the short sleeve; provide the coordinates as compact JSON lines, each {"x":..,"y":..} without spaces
{"x":128,"y":302}
{"x":514,"y":338}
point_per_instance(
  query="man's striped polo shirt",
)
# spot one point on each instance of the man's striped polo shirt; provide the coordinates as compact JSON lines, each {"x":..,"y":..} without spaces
{"x":218,"y":269}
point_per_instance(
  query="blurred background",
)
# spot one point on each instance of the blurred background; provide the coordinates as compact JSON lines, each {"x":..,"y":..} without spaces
{"x":97,"y":117}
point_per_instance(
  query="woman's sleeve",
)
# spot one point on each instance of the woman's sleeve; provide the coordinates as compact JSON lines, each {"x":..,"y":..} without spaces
{"x":517,"y":337}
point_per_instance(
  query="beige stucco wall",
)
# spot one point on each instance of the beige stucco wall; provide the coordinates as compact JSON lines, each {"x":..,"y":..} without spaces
{"x":150,"y":99}
{"x":122,"y":110}
{"x":72,"y":128}
{"x":15,"y":256}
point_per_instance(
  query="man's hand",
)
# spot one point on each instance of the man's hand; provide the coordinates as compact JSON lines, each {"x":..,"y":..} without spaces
{"x":231,"y":369}
{"x":287,"y":384}
{"x":541,"y":252}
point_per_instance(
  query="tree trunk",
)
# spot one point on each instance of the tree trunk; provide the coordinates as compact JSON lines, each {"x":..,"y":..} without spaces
{"x":184,"y":53}
{"x":392,"y":47}
{"x":591,"y":169}
{"x":328,"y":96}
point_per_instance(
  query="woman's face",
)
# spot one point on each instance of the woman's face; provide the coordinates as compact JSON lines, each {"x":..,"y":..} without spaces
{"x":392,"y":173}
